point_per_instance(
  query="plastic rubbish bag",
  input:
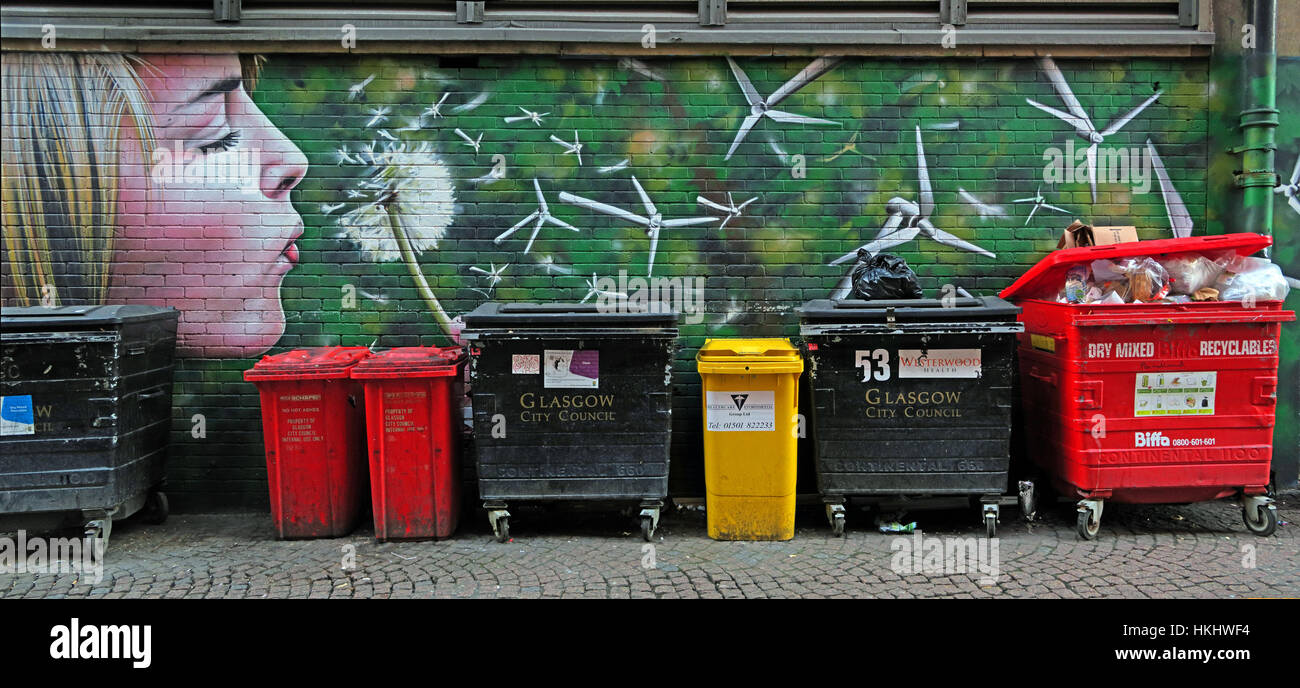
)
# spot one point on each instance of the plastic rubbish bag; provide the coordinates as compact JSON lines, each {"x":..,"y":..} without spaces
{"x":1192,"y":272}
{"x":1147,"y":280}
{"x":1247,"y":278}
{"x":884,"y":276}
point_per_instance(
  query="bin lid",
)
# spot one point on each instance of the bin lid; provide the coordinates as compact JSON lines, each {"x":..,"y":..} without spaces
{"x":562,"y":315}
{"x":1049,"y":273}
{"x":308,"y":364}
{"x":774,"y":355}
{"x":28,"y":318}
{"x":411,"y":361}
{"x":964,"y":309}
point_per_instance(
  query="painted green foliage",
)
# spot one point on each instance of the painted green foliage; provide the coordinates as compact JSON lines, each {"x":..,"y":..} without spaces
{"x":821,"y":190}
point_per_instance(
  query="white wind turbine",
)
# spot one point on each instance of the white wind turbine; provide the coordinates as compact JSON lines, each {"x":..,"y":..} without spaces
{"x":542,"y":215}
{"x":653,"y":219}
{"x":574,"y":148}
{"x":493,"y":273}
{"x":1078,"y":119}
{"x":731,"y":209}
{"x":760,"y":107}
{"x":1039,"y":202}
{"x":534,"y":117}
{"x":593,"y":290}
{"x":1180,"y":221}
{"x":906,"y":220}
{"x":1290,"y":190}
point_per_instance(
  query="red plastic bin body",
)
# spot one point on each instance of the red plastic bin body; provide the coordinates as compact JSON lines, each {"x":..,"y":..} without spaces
{"x":413,"y":420}
{"x":313,"y":419}
{"x":1150,"y":403}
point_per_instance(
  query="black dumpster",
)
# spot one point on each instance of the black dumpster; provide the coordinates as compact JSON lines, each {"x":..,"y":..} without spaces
{"x":86,"y":412}
{"x":911,"y":399}
{"x":570,"y":403}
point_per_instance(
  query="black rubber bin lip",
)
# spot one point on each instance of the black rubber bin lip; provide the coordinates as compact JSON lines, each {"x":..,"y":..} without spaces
{"x":496,"y":314}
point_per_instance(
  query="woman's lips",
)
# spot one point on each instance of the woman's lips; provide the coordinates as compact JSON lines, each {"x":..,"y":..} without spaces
{"x":291,"y":252}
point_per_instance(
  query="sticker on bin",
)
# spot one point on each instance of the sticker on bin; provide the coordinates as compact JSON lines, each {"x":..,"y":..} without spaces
{"x":939,"y":363}
{"x":17,"y":415}
{"x":525,"y":364}
{"x":570,"y":369}
{"x":740,"y":411}
{"x":1174,"y":394}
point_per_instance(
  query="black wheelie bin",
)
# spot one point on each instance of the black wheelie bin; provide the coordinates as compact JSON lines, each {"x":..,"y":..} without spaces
{"x":911,"y":399}
{"x":86,"y":413}
{"x":571,"y":403}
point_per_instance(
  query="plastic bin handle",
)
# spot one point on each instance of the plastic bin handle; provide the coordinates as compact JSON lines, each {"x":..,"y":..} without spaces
{"x":1050,"y":378}
{"x":1264,"y":391}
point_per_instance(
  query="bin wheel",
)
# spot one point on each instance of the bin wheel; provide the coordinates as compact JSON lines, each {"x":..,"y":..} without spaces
{"x":94,"y":544}
{"x":1028,"y":500}
{"x":1087,"y":525}
{"x":503,"y":529}
{"x":837,"y":525}
{"x":1265,"y":524}
{"x":647,"y":528}
{"x":991,"y":525}
{"x":156,"y":508}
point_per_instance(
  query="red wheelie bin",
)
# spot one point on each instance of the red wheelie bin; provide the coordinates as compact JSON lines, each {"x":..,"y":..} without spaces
{"x":413,"y":419}
{"x":313,"y":425}
{"x":1149,"y":402}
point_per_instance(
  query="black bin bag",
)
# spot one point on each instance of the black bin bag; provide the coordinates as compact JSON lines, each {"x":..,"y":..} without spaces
{"x":884,"y":276}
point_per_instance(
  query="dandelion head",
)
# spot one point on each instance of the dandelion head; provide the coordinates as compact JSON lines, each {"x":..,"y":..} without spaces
{"x":412,"y":190}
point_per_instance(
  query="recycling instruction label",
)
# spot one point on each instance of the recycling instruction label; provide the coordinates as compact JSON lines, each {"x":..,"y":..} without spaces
{"x":1174,"y":394}
{"x":740,"y":411}
{"x":17,"y":415}
{"x":571,"y":369}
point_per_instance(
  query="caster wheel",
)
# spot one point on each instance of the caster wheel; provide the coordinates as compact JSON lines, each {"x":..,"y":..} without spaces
{"x":990,"y":525}
{"x":503,"y":529}
{"x":1028,"y":501}
{"x":156,"y":508}
{"x":837,"y":525}
{"x":1087,"y":525}
{"x":94,"y":545}
{"x":1265,"y":522}
{"x":647,"y":529}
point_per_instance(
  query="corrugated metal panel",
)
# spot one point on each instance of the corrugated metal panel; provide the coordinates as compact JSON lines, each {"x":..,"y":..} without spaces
{"x":774,"y":23}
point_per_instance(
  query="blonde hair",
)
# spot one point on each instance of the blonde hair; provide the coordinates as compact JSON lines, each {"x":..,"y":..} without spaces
{"x":62,"y":118}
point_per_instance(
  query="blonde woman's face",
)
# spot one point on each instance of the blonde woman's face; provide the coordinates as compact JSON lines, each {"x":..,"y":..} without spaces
{"x":206,"y":223}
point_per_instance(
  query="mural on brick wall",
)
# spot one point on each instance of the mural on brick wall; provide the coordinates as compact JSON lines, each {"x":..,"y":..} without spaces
{"x":318,"y":200}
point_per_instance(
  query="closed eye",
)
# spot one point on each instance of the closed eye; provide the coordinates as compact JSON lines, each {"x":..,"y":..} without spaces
{"x":224,"y":143}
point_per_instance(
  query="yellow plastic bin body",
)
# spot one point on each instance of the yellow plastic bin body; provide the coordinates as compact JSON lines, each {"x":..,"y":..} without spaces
{"x":751,"y":406}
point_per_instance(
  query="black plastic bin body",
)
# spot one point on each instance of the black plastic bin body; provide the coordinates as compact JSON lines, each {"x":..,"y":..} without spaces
{"x":570,"y":403}
{"x":911,"y":398}
{"x":96,"y":384}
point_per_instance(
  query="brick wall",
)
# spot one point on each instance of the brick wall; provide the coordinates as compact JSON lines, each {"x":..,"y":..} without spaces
{"x":820,"y":190}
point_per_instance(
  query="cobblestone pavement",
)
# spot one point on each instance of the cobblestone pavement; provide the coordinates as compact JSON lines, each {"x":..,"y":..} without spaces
{"x":1164,"y":551}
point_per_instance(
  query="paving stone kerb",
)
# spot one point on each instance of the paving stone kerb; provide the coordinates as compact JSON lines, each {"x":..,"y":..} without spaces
{"x":1195,"y":551}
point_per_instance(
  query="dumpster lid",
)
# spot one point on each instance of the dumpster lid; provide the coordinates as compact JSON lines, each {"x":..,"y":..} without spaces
{"x":1049,"y":273}
{"x":748,"y":350}
{"x":561,"y":315}
{"x":965,"y":309}
{"x":29,"y":317}
{"x":306,"y":364}
{"x":411,"y":361}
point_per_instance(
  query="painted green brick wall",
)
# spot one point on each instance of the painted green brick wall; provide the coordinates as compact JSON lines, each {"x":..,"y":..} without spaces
{"x":673,"y":121}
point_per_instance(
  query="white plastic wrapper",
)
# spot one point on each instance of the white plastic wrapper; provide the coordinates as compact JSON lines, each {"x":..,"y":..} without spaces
{"x":1247,"y":277}
{"x":1192,"y":272}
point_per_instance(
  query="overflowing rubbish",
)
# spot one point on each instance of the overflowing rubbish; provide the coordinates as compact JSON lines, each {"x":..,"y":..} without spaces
{"x":1177,"y":278}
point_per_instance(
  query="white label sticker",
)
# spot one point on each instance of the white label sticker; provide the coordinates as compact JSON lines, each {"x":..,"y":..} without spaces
{"x":525,"y":364}
{"x":17,"y":416}
{"x":932,"y":363}
{"x":1174,"y":394}
{"x":740,"y":411}
{"x":571,"y":369}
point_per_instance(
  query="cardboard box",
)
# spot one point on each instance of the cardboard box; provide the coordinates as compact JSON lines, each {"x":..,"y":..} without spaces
{"x":1078,"y":235}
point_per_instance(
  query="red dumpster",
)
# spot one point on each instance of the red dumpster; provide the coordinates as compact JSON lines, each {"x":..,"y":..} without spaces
{"x":413,"y":420}
{"x":1149,"y":402}
{"x":313,"y":428}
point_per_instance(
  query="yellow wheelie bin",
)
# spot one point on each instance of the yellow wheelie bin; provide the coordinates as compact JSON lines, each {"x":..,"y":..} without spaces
{"x":751,"y":407}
